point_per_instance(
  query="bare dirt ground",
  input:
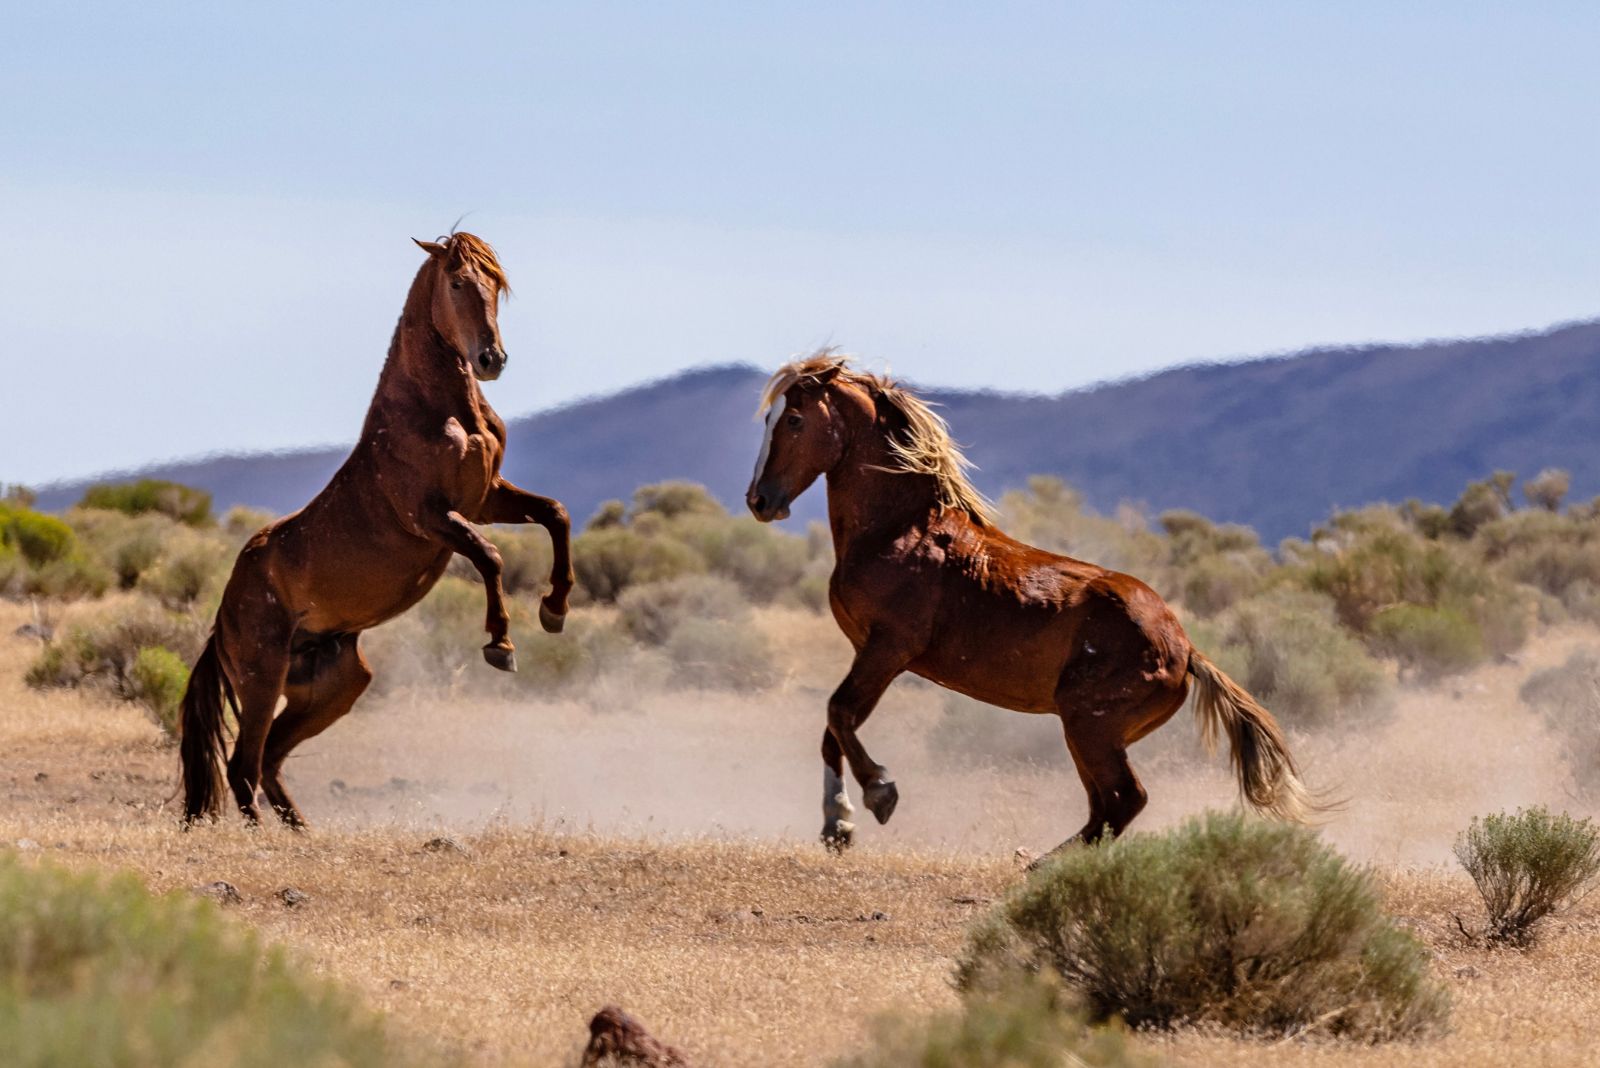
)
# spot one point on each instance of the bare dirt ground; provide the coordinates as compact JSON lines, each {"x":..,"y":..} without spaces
{"x":656,"y":850}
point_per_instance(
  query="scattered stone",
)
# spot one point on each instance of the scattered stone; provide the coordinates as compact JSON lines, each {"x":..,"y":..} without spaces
{"x":1467,"y":972}
{"x":292,"y":898}
{"x":616,"y":1038}
{"x":224,"y":893}
{"x":969,"y":899}
{"x":879,"y":917}
{"x":337,"y":787}
{"x":35,"y":630}
{"x":26,"y":844}
{"x":1023,"y":857}
{"x":41,"y":776}
{"x":444,"y":844}
{"x":399,"y":984}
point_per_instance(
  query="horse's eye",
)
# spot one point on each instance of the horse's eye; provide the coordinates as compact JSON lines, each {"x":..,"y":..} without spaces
{"x":455,"y":285}
{"x":794,"y":420}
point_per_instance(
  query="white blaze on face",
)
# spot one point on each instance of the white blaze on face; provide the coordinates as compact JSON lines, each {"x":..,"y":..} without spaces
{"x":773,"y":415}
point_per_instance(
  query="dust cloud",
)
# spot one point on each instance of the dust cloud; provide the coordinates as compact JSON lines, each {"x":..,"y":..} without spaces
{"x":630,"y":757}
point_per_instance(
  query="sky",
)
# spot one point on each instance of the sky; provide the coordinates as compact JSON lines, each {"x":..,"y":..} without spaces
{"x":208,"y":207}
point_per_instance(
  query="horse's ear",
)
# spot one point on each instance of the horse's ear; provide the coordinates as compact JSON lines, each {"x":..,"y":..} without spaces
{"x":432,"y":248}
{"x":827,"y":374}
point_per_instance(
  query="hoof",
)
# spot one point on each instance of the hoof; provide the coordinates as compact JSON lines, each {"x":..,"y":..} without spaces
{"x":500,"y":656}
{"x":881,"y":797}
{"x":838,"y":836}
{"x":552,"y":622}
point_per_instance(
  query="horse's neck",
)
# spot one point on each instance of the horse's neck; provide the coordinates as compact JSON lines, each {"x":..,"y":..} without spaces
{"x":422,"y":377}
{"x":866,"y":501}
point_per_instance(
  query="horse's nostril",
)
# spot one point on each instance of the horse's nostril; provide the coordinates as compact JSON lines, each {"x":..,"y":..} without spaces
{"x":760,"y":503}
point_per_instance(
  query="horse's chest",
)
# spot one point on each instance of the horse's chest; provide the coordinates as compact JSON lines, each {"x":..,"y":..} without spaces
{"x":474,"y":457}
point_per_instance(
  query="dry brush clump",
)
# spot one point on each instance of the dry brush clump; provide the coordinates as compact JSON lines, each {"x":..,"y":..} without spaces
{"x":1250,"y":926}
{"x":132,"y":647}
{"x":1528,"y":867}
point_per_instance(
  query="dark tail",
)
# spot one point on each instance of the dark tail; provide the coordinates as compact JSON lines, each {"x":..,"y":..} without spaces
{"x":204,"y":743}
{"x":1268,"y":778}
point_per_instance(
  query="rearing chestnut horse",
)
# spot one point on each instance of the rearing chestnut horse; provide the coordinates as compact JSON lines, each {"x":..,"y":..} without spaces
{"x":924,"y":582}
{"x":371,"y":544}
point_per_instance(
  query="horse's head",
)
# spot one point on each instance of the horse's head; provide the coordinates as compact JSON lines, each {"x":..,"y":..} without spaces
{"x":467,"y":287}
{"x":804,"y":437}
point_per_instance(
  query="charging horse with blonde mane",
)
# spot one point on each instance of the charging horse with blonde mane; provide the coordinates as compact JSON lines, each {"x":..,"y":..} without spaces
{"x":924,"y":582}
{"x":371,"y":544}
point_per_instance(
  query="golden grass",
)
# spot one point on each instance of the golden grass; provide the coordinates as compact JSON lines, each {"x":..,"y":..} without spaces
{"x":655,"y":851}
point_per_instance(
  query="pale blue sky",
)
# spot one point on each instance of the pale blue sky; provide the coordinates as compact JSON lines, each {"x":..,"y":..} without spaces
{"x":207,"y":206}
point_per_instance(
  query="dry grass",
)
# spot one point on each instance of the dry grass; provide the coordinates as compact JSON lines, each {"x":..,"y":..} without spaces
{"x":656,"y":850}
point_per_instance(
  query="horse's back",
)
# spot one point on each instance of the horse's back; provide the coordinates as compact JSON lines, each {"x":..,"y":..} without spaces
{"x":1012,"y":621}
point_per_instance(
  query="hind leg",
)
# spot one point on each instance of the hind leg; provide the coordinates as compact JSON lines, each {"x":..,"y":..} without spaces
{"x":260,"y":682}
{"x":320,"y":690}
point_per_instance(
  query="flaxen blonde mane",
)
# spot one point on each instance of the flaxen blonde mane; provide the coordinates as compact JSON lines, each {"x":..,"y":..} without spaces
{"x":925,"y":448}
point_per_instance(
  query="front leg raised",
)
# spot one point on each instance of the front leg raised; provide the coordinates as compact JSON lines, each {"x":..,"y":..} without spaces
{"x":453,"y":530}
{"x":511,"y":504}
{"x":876,"y":665}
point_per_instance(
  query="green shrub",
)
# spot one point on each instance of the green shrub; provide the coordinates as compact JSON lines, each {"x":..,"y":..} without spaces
{"x":1527,"y":867}
{"x":1569,"y":698}
{"x":1247,"y":925}
{"x":157,"y":679}
{"x":609,"y":560}
{"x":40,"y":539}
{"x":671,"y":500}
{"x":1287,"y":649}
{"x":764,"y":561}
{"x":1429,"y":642}
{"x":1027,"y":1026}
{"x":98,"y":971}
{"x":1372,"y":560}
{"x":183,"y":503}
{"x":13,"y":570}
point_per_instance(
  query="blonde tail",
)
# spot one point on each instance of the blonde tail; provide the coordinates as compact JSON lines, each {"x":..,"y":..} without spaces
{"x":1268,"y":778}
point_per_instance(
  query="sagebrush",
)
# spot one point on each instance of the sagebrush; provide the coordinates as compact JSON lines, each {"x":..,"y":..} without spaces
{"x":1253,"y":926}
{"x":1528,"y":866}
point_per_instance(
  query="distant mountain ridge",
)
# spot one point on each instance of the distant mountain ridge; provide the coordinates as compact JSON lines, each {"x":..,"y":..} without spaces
{"x":1273,"y":443}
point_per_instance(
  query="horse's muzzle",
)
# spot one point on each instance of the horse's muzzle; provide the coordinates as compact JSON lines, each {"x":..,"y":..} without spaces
{"x":489,"y":364}
{"x":766,"y":507}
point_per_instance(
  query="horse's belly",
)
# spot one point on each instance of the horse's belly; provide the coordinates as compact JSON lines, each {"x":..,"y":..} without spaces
{"x":344,"y":599}
{"x":1021,"y":676}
